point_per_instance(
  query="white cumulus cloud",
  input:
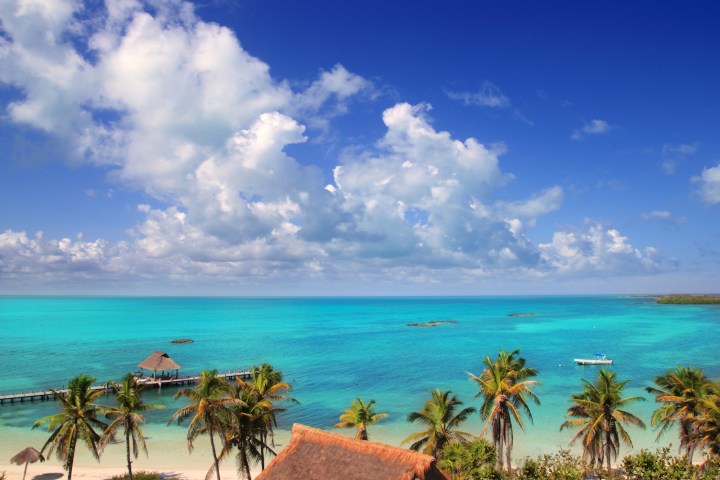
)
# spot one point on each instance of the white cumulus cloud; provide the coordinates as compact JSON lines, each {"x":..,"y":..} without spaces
{"x":597,"y":249}
{"x":176,"y":108}
{"x":709,"y":185}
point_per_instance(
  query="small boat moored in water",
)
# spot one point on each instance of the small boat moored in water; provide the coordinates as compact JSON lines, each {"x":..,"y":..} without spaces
{"x":600,"y":359}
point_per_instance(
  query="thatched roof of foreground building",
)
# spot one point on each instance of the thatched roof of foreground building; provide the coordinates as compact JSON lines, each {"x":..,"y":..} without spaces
{"x":159,"y":361}
{"x":314,"y":454}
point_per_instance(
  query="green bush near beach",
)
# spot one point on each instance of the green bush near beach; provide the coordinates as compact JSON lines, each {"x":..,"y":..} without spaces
{"x":142,"y":475}
{"x":473,"y":460}
{"x":559,"y":466}
{"x":660,"y":465}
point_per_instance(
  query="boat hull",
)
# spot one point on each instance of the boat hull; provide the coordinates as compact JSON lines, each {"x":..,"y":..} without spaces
{"x":592,"y":361}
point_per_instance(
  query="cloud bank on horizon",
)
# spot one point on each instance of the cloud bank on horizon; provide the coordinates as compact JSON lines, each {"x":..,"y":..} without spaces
{"x":174,"y":107}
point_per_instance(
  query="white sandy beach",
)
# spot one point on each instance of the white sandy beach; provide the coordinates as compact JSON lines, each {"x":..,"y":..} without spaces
{"x":167,"y":453}
{"x":52,"y":470}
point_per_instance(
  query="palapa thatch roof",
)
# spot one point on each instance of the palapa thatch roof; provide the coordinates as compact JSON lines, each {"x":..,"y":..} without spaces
{"x":159,"y":361}
{"x":314,"y":454}
{"x":27,"y":455}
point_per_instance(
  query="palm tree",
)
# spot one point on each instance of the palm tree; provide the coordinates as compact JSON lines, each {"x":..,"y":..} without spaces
{"x":360,"y":415}
{"x":440,"y":419}
{"x":249,"y":430}
{"x":505,"y":391}
{"x":680,"y":393}
{"x":598,"y":412}
{"x":77,"y":420}
{"x":268,"y":385}
{"x":707,"y":431}
{"x":128,"y":414}
{"x":209,"y":411}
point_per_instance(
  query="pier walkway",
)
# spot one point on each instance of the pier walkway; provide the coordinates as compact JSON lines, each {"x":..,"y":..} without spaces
{"x":51,"y":394}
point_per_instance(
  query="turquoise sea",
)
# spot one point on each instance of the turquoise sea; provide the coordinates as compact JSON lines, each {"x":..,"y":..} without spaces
{"x":334,"y":349}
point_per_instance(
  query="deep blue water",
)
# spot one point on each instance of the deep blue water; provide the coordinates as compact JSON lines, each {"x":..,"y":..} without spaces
{"x":334,"y":349}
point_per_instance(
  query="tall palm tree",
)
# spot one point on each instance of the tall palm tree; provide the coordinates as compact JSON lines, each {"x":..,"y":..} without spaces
{"x":208,"y":411}
{"x":359,"y":416}
{"x":680,"y":393}
{"x":440,"y":419}
{"x":249,"y":430}
{"x":128,"y":415}
{"x":708,"y":427}
{"x":598,"y":412}
{"x":77,"y":420}
{"x":505,"y":389}
{"x":268,"y":385}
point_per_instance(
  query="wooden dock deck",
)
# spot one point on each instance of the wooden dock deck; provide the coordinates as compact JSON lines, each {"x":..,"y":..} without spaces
{"x":51,"y":394}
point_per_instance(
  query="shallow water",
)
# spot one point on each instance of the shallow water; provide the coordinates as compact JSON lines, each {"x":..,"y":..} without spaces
{"x":334,"y":349}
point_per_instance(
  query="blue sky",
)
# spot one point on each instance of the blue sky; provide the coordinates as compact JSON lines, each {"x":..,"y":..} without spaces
{"x":338,"y":148}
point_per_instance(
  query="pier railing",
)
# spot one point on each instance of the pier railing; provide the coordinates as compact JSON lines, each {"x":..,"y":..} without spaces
{"x":52,"y":393}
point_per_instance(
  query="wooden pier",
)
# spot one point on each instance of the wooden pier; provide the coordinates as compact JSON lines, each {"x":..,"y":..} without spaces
{"x":52,"y":394}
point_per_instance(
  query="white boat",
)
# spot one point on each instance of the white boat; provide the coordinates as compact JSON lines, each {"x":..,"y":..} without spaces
{"x":600,"y":359}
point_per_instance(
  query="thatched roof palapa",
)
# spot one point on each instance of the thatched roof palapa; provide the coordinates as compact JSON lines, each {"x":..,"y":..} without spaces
{"x":314,"y":454}
{"x":27,"y":455}
{"x":159,"y":361}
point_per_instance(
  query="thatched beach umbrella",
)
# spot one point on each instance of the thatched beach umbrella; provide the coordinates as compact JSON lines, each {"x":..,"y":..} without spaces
{"x":159,"y":361}
{"x":27,"y":455}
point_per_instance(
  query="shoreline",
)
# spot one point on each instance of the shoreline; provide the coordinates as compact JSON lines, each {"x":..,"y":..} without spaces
{"x":52,"y":470}
{"x":168,"y":452}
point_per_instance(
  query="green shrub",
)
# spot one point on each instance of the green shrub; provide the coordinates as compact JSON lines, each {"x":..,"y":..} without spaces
{"x":141,"y":475}
{"x":560,"y":466}
{"x":710,"y":469}
{"x":660,"y":465}
{"x":469,"y":461}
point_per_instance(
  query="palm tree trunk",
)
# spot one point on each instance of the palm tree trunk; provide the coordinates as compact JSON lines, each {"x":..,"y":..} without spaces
{"x":247,"y":467}
{"x":500,"y":442}
{"x":263,"y":439}
{"x":690,"y":453}
{"x":508,"y":449}
{"x":127,"y":451}
{"x":215,"y":459}
{"x":607,"y":451}
{"x":71,"y":453}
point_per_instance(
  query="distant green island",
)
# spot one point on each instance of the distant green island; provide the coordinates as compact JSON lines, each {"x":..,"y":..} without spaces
{"x":686,"y":299}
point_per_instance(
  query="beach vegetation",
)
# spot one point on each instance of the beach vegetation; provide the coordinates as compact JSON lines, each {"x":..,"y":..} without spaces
{"x":472,"y":460}
{"x":359,"y":416}
{"x":269,"y":388}
{"x":78,"y":420}
{"x":505,"y":389}
{"x":141,"y":475}
{"x":708,"y":428}
{"x":440,"y":418}
{"x":248,"y":431}
{"x":661,"y":465}
{"x":129,"y":415}
{"x":680,"y":393}
{"x":598,"y":412}
{"x":209,"y":411}
{"x":558,"y":466}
